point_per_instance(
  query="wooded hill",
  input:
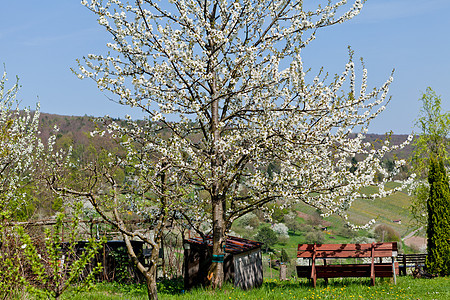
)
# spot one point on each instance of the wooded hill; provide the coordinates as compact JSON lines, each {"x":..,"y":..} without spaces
{"x":74,"y":130}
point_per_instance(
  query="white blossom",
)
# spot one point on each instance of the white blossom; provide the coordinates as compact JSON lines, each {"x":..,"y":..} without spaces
{"x":19,"y":147}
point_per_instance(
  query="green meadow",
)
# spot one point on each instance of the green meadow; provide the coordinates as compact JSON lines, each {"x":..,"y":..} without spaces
{"x":407,"y":288}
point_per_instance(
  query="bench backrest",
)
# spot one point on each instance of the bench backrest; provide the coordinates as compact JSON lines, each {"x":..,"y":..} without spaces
{"x":347,"y":250}
{"x":420,"y":258}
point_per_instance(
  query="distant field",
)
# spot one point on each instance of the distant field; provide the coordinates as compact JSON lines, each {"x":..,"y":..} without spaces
{"x":385,"y":211}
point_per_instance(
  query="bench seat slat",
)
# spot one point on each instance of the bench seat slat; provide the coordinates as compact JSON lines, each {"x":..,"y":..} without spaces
{"x":344,"y":254}
{"x":347,"y":270}
{"x":347,"y":247}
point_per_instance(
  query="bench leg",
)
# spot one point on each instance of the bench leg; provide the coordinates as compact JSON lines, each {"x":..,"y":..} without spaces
{"x":393,"y":270}
{"x":372,"y":275}
{"x":372,"y":265}
{"x":326,"y":279}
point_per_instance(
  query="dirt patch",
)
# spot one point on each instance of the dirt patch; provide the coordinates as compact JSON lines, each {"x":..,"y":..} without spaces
{"x":307,"y":217}
{"x":303,"y":215}
{"x":416,"y":242}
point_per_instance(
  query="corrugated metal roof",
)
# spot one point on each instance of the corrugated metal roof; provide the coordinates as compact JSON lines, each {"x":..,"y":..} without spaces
{"x":234,"y":245}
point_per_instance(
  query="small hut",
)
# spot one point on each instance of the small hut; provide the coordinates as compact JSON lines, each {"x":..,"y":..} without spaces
{"x":115,"y":260}
{"x":242,"y":262}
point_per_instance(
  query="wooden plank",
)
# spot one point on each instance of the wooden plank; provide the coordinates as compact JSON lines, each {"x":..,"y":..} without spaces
{"x":413,"y":255}
{"x":347,"y":270}
{"x":348,"y":247}
{"x":344,"y":254}
{"x":304,"y":271}
{"x":350,"y":270}
{"x":356,"y":268}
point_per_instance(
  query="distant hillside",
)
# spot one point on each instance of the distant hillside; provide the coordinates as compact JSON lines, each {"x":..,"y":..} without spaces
{"x":72,"y":126}
{"x":392,"y":211}
{"x":75,"y":128}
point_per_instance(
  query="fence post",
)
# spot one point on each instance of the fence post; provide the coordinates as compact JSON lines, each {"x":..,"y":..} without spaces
{"x":283,"y":271}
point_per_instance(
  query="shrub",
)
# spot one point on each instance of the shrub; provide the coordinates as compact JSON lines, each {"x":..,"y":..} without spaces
{"x":347,"y":232}
{"x":314,"y":219}
{"x":284,"y":256}
{"x":385,"y":233}
{"x":249,"y":219}
{"x":362,"y":240}
{"x":291,"y":222}
{"x":305,"y":228}
{"x":314,"y":236}
{"x":280,"y":229}
{"x":283,"y":240}
{"x":267,"y":236}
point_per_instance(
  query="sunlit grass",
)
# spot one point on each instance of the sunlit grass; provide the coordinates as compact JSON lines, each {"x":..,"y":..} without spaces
{"x":406,"y":288}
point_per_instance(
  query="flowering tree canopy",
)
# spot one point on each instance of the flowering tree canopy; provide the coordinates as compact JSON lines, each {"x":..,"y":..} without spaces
{"x":226,"y":80}
{"x":19,"y":147}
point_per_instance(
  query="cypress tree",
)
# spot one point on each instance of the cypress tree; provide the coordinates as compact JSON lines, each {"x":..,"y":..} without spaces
{"x":438,"y":231}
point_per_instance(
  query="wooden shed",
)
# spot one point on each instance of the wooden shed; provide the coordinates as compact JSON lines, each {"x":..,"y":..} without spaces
{"x":242,"y":262}
{"x":117,"y":266}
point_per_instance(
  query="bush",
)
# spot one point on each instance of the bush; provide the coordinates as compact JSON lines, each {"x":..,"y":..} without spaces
{"x":249,"y":219}
{"x":267,"y":236}
{"x":314,"y":236}
{"x":314,"y":219}
{"x":291,"y":222}
{"x":347,"y":232}
{"x":278,"y":213}
{"x":280,"y":229}
{"x":305,"y":228}
{"x":284,"y":256}
{"x":362,"y":240}
{"x":283,"y":240}
{"x":385,"y":233}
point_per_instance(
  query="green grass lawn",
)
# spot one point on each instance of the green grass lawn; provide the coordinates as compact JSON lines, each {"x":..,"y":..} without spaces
{"x":406,"y":288}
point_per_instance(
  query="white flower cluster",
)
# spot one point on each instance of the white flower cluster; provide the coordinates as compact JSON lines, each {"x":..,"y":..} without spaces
{"x":19,"y":147}
{"x":280,"y":229}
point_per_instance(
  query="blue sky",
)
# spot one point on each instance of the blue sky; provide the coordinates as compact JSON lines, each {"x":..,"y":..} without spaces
{"x":40,"y":40}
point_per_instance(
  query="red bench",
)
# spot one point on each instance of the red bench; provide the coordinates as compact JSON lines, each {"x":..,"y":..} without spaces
{"x":327,"y":252}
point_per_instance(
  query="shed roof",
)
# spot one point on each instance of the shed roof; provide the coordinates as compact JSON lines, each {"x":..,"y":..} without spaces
{"x":234,"y":245}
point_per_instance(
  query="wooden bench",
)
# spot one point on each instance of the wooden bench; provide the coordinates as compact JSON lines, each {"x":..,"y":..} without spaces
{"x":411,"y":261}
{"x":327,"y":252}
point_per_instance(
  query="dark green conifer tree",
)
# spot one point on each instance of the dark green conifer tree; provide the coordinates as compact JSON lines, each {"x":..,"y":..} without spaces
{"x":438,"y":231}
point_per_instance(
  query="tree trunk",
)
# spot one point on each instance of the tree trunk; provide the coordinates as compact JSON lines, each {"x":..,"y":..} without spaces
{"x":150,"y":273}
{"x":150,"y":278}
{"x":216,"y":271}
{"x":215,"y":274}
